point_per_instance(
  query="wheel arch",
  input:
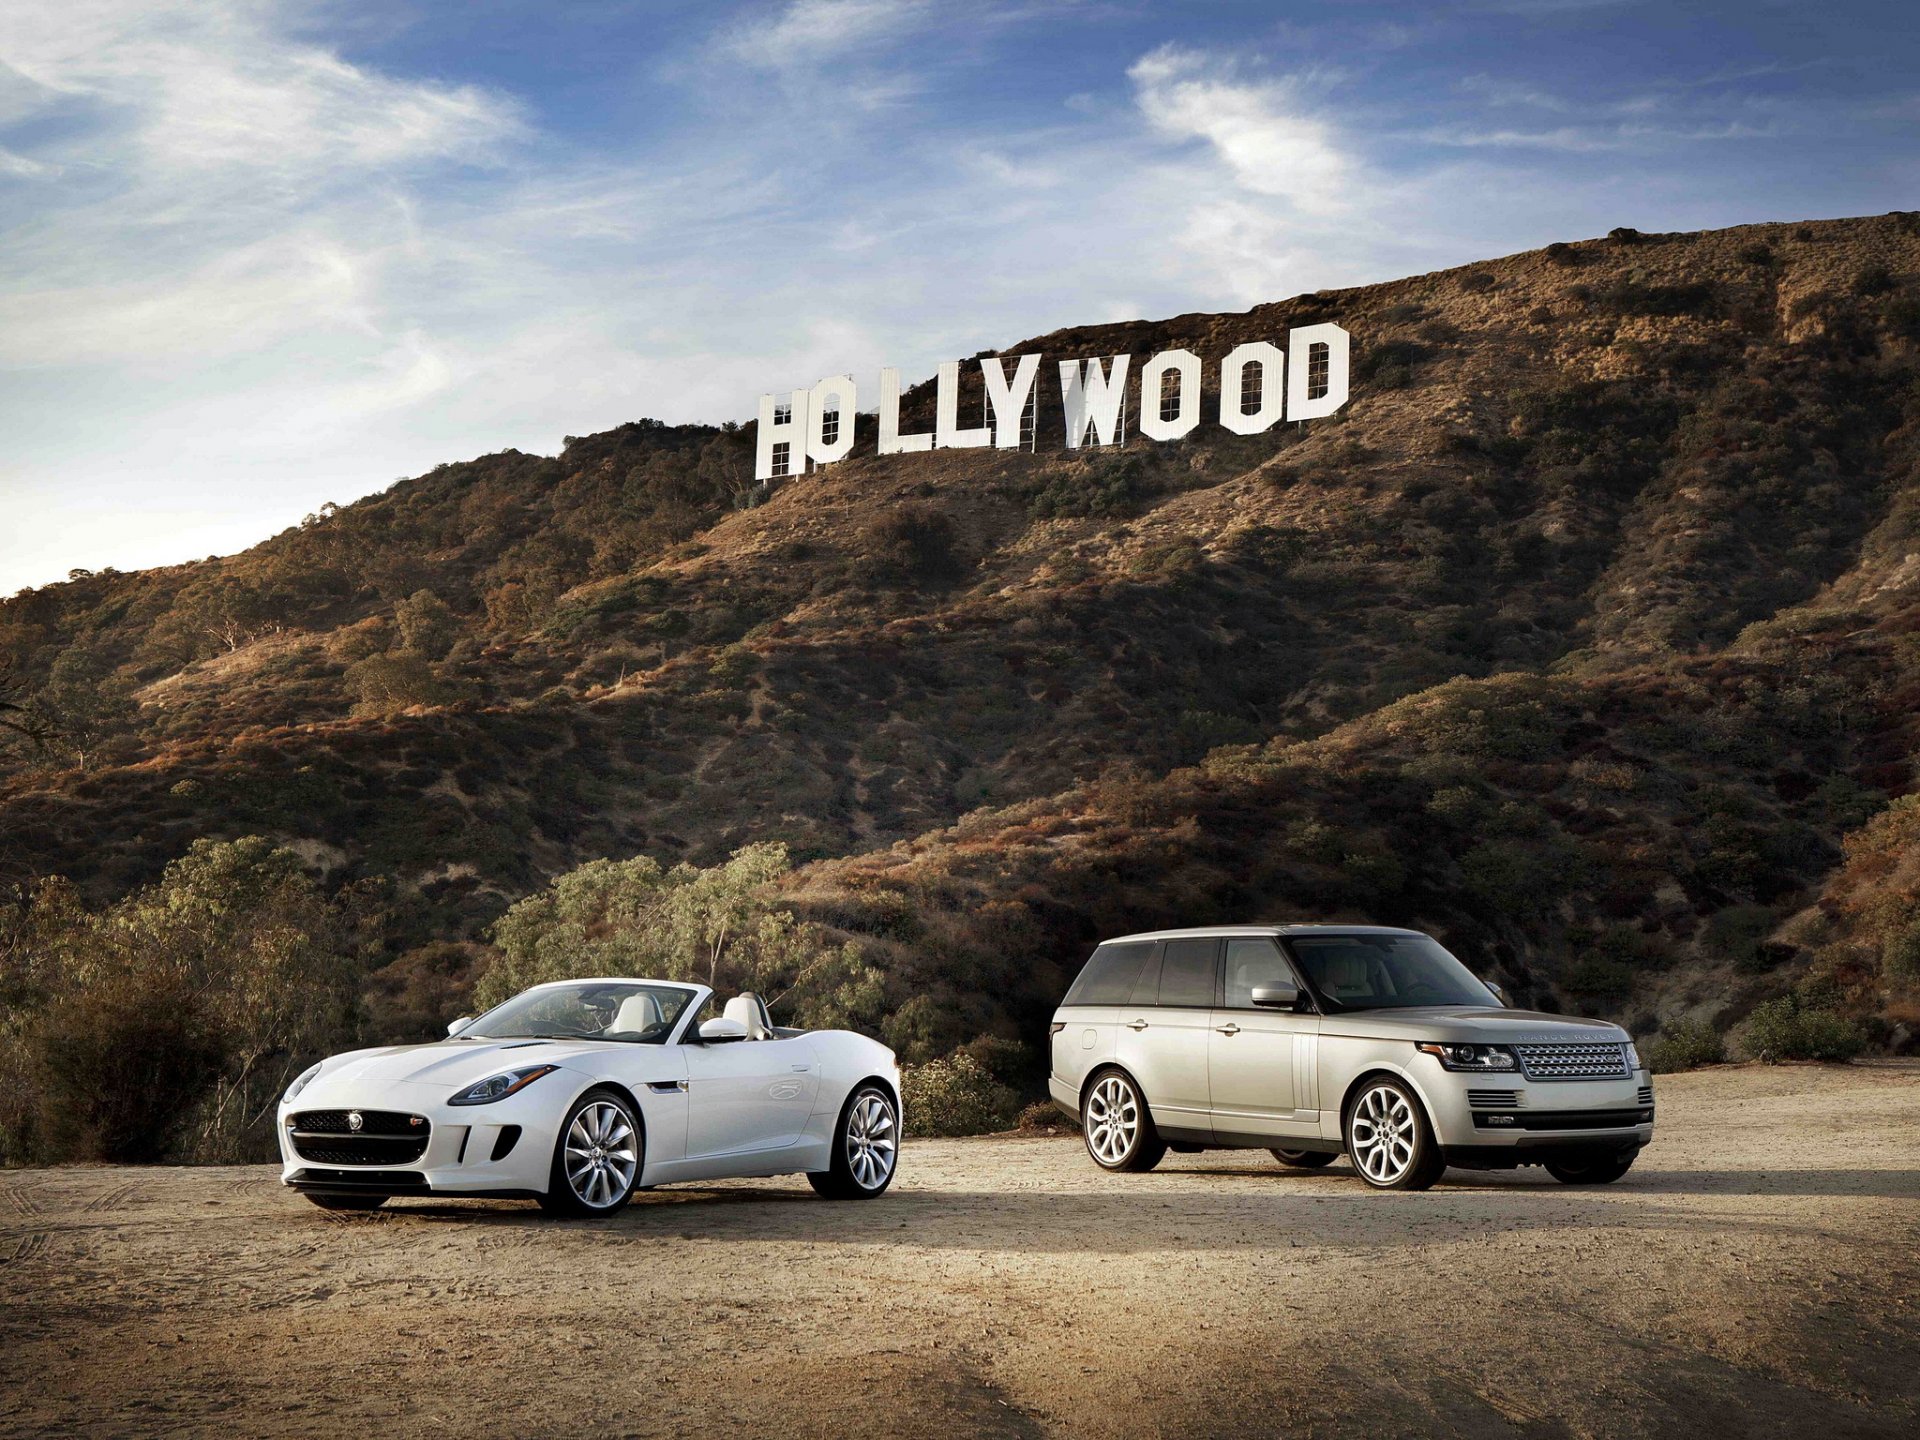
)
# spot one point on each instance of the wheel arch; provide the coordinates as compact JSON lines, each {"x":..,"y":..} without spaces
{"x":1379,"y":1071}
{"x":619,"y":1092}
{"x":1102,"y":1068}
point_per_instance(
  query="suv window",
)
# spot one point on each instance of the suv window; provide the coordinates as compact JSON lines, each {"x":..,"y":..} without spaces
{"x":1187,"y":972}
{"x":1108,"y":976}
{"x":1251,"y":963}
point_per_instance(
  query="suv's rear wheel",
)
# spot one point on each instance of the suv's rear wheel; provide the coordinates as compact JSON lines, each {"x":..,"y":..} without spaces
{"x":1601,"y":1170}
{"x":1304,"y":1159}
{"x":1389,"y":1140}
{"x":1116,"y":1126}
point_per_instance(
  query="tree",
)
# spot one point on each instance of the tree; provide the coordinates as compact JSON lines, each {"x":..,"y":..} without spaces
{"x":89,"y":704}
{"x":19,"y":716}
{"x":427,"y":626}
{"x":721,"y":926}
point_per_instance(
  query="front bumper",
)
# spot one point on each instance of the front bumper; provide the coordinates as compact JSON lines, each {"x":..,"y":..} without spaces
{"x":501,"y":1149}
{"x":1498,"y":1120}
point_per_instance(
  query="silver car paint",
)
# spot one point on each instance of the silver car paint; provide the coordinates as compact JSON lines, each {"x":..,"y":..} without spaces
{"x":1329,"y":1055}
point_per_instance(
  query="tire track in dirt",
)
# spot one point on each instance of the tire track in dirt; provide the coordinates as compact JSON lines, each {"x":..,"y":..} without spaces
{"x":113,"y":1199}
{"x":19,"y":1201}
{"x":30,"y":1246}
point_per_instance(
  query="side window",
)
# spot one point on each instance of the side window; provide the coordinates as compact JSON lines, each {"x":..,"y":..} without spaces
{"x":1108,"y":977}
{"x":1251,"y":963}
{"x":1187,"y":973}
{"x":1146,"y":990}
{"x":691,"y":1034}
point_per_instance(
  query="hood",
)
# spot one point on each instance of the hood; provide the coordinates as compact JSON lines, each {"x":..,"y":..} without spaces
{"x":1482,"y":1024}
{"x":448,"y":1066}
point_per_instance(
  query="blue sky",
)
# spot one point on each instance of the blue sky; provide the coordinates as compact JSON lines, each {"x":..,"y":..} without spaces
{"x":256,"y":255}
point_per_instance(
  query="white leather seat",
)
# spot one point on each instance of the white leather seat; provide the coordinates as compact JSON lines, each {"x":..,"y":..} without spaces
{"x":637,"y":1012}
{"x":751,"y":1011}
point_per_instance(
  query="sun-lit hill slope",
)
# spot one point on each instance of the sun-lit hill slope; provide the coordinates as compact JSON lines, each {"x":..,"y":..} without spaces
{"x":1596,"y":466}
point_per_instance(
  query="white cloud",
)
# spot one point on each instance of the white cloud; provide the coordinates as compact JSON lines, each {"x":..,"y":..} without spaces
{"x":808,"y":32}
{"x":1264,"y":130}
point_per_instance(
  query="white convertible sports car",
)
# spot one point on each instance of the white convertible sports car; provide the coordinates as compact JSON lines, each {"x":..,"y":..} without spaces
{"x":580,"y":1092}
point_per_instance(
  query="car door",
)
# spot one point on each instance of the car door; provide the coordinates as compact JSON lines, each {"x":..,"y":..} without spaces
{"x":748,"y":1095}
{"x":1260,"y":1061}
{"x":1164,"y":1031}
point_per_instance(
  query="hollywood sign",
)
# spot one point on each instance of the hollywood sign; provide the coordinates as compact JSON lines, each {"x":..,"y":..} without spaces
{"x":1259,"y":387}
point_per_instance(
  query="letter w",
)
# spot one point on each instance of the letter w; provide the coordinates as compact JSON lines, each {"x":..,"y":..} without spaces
{"x":1092,"y":398}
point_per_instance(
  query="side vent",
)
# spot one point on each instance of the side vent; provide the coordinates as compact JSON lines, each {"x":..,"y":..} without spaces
{"x":509,"y":1137}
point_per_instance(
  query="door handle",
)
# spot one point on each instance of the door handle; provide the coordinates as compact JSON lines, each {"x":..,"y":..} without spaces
{"x":1137,"y":1025}
{"x":801,"y":1069}
{"x":1228,"y":1029}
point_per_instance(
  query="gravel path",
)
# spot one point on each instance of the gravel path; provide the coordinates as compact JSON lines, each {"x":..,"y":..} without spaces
{"x":1754,"y":1275}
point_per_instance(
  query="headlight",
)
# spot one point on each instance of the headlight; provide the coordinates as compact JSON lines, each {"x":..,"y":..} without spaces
{"x":1469,"y":1057}
{"x":305,"y":1080}
{"x":498,"y":1087}
{"x":1633,"y":1056}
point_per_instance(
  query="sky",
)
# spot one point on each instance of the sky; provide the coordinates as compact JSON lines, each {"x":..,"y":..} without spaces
{"x":258,"y":255}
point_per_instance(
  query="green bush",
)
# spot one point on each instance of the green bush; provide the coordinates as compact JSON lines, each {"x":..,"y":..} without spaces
{"x":1684,"y":1045}
{"x":1102,"y":489}
{"x":956,"y":1096}
{"x":1789,"y":1029}
{"x":1900,"y":959}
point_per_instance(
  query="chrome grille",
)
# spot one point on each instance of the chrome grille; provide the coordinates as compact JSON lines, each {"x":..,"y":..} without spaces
{"x":1572,"y":1062}
{"x":1493,"y":1099}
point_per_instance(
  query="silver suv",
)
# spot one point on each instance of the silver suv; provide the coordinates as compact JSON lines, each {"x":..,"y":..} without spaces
{"x":1315,"y":1040}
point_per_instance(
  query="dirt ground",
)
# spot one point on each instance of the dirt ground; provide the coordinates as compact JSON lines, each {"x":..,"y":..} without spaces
{"x":1754,"y":1275}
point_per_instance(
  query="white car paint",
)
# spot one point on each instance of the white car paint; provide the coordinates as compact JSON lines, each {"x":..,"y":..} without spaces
{"x":708,"y":1110}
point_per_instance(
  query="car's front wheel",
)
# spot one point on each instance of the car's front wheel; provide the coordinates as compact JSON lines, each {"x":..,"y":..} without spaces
{"x":348,"y":1202}
{"x":1116,"y":1126}
{"x":1601,"y":1170}
{"x":596,"y":1159}
{"x":866,"y":1147}
{"x":1304,"y":1159}
{"x":1389,"y":1140}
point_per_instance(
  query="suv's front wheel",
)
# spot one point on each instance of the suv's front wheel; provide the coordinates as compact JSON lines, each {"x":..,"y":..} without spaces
{"x":1116,"y":1126}
{"x":1389,"y":1140}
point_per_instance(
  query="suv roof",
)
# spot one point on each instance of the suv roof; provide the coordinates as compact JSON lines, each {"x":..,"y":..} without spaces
{"x":1209,"y":930}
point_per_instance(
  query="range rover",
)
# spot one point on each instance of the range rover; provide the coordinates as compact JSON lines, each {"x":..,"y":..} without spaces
{"x":1313,"y":1041}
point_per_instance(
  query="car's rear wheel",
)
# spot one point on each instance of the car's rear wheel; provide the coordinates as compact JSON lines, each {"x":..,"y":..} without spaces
{"x":1117,"y":1127}
{"x":866,"y":1147}
{"x":1601,"y":1170}
{"x":1305,"y":1159}
{"x":597,"y":1158}
{"x":1389,"y":1140}
{"x":348,"y":1202}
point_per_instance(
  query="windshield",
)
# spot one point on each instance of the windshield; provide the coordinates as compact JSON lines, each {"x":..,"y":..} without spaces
{"x":625,"y":1010}
{"x":1386,"y":972}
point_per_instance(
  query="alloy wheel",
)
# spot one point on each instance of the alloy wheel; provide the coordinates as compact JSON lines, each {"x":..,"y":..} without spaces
{"x":1384,"y":1133}
{"x":872,"y":1141}
{"x":1113,"y":1119}
{"x":601,"y":1158}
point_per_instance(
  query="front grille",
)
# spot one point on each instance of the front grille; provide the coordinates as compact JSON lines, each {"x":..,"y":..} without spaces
{"x":1646,"y":1094}
{"x":1572,"y":1062}
{"x":385,"y":1137}
{"x":1493,"y":1099}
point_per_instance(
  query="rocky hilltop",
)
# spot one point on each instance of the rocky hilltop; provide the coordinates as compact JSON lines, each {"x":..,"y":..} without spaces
{"x":1587,"y":635}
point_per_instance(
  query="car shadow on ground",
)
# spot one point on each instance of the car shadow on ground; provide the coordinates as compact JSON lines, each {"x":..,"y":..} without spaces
{"x":1143,"y":1213}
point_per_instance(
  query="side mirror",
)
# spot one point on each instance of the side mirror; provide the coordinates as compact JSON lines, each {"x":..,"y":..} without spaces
{"x":1277,"y":997}
{"x":457,"y":1026}
{"x":1498,"y":993}
{"x":721,"y":1029}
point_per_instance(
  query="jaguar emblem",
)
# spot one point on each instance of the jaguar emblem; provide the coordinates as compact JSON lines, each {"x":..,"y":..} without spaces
{"x":355,"y":1120}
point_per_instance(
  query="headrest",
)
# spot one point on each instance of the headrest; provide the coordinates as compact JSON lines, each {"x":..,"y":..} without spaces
{"x":751,"y":1011}
{"x":637,"y":1012}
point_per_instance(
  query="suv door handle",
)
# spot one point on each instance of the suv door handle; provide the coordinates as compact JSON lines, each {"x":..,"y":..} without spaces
{"x":1228,"y":1029}
{"x":1137,"y":1025}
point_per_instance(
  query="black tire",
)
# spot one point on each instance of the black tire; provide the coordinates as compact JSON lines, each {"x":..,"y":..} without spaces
{"x":348,"y":1202}
{"x":596,"y":1182}
{"x":1118,"y":1127}
{"x":1601,"y":1170}
{"x":1384,"y":1120}
{"x":866,"y":1147}
{"x":1305,"y":1159}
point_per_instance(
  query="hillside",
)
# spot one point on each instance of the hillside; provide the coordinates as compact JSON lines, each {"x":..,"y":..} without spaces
{"x":1585,"y":636}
